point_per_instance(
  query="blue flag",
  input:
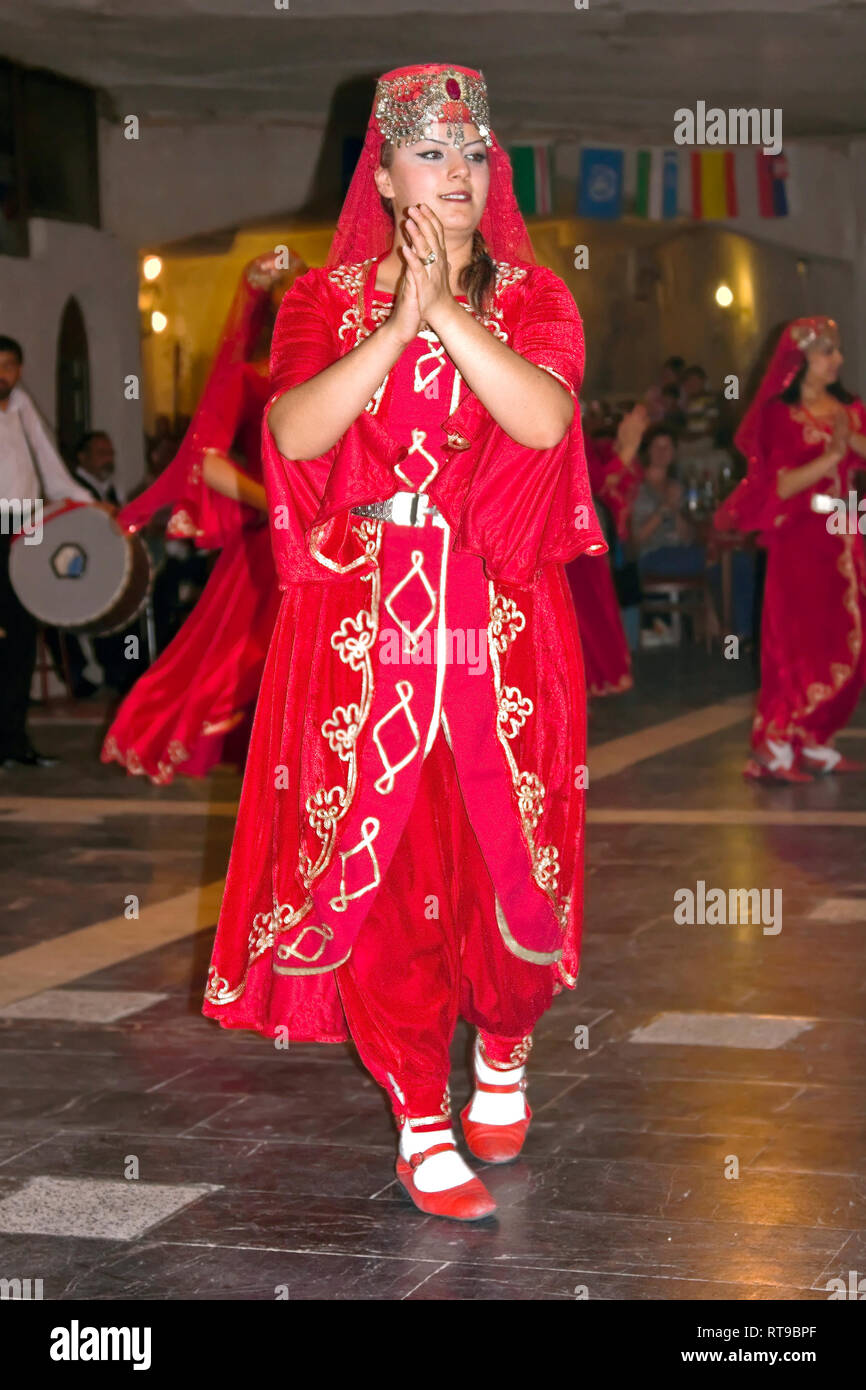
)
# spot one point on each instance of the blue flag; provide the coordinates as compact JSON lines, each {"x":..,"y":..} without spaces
{"x":670,"y":183}
{"x":601,"y":177}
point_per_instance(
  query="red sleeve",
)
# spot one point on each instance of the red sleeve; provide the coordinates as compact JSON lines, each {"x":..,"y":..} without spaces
{"x":520,"y":508}
{"x":308,"y":496}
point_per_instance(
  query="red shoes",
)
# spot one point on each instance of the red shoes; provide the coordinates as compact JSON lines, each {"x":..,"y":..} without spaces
{"x":469,"y":1202}
{"x":775,"y":762}
{"x":756,"y":771}
{"x":496,"y":1143}
{"x":827,"y":760}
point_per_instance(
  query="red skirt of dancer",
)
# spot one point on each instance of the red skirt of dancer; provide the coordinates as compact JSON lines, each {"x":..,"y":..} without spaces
{"x":813,"y":658}
{"x":194,"y":707}
{"x":347,"y":829}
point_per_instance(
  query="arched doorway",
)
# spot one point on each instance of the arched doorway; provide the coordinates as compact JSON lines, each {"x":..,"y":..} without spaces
{"x":73,"y":380}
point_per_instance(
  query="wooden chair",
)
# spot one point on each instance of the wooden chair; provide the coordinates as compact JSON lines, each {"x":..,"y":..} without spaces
{"x":677,"y":597}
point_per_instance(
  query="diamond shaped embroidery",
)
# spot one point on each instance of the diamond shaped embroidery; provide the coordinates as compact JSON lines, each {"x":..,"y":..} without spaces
{"x":415,"y":600}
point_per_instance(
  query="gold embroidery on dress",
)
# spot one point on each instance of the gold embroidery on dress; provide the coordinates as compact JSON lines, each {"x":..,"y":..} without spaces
{"x":435,"y":355}
{"x":820,"y":691}
{"x":417,"y":447}
{"x":385,"y":783}
{"x":370,"y":827}
{"x":369,"y":557}
{"x":131,"y":760}
{"x":517,"y":1056}
{"x":354,"y":646}
{"x":506,"y":620}
{"x":341,"y":729}
{"x":415,"y":571}
{"x":514,"y":710}
{"x":290,"y":950}
{"x":529,"y":788}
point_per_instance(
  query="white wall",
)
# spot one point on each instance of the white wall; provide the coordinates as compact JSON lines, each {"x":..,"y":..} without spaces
{"x":177,"y":181}
{"x":102,"y":274}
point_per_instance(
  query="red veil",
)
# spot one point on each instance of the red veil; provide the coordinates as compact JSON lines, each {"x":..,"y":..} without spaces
{"x":200,"y":514}
{"x":364,"y":228}
{"x":750,"y":505}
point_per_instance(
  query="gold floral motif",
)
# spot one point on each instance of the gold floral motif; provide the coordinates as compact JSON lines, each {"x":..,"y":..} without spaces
{"x":266,"y":927}
{"x":341,"y":729}
{"x":369,"y":533}
{"x":547,"y":868}
{"x":218,"y":991}
{"x":354,"y":639}
{"x":514,"y":710}
{"x":323,"y":810}
{"x":529,"y":789}
{"x":530,"y":797}
{"x":506,"y":620}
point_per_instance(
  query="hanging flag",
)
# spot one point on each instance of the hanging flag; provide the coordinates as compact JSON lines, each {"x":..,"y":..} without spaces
{"x":670,"y":183}
{"x":714,"y":184}
{"x":601,"y":179}
{"x":656,"y":184}
{"x":772,"y":184}
{"x":530,"y":166}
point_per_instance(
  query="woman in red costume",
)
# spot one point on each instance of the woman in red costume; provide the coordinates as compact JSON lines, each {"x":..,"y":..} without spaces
{"x":194,"y":707}
{"x":410,"y":833}
{"x":614,"y":476}
{"x":804,"y":436}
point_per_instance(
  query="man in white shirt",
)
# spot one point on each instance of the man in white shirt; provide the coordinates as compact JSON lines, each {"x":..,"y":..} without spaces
{"x":31,"y":470}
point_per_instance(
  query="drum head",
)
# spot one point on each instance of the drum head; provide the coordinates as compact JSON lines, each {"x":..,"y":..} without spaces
{"x":75,"y":575}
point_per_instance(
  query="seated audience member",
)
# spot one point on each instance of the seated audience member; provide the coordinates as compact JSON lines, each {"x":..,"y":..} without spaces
{"x":665,"y":541}
{"x":662,"y":537}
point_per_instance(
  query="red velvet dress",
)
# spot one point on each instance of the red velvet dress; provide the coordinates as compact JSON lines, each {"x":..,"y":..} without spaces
{"x":410,"y":835}
{"x":605,"y":648}
{"x":194,"y":707}
{"x":813,"y":661}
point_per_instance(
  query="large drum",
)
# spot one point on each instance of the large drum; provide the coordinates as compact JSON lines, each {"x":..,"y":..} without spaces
{"x":84,"y":574}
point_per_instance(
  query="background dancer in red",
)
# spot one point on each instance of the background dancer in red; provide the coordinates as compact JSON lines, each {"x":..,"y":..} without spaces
{"x":410,"y":836}
{"x":615,"y":476}
{"x":194,"y":707}
{"x":805,"y":437}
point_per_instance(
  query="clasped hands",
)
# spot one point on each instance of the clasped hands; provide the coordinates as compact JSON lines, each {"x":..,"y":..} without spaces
{"x":423,"y":295}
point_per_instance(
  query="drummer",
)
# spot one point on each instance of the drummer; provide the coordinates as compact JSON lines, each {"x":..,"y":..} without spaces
{"x":31,"y":471}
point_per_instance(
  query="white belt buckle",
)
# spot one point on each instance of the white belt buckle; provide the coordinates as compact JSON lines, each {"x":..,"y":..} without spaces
{"x":401,"y":508}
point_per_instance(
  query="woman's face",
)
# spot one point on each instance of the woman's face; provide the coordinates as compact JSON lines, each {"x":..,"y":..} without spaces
{"x":660,"y":456}
{"x":825,"y":362}
{"x":452,"y":180}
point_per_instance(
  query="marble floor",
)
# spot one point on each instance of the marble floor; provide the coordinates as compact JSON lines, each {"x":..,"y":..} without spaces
{"x":699,"y":1103}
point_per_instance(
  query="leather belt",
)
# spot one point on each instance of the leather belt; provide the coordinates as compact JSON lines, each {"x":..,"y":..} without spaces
{"x":404,"y":509}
